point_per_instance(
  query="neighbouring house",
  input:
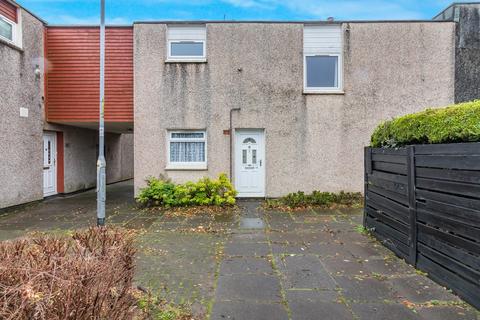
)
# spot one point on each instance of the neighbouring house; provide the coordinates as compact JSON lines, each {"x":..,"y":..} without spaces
{"x":279,"y":106}
{"x":49,"y":97}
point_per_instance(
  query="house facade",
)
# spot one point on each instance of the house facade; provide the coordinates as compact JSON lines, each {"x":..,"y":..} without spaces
{"x":282,"y":107}
{"x":278,"y":106}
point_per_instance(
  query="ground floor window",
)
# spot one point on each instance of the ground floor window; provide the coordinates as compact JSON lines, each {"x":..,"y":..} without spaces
{"x":187,"y":149}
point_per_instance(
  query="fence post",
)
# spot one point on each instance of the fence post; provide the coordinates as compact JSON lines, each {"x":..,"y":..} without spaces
{"x":367,"y":168}
{"x":412,"y":205}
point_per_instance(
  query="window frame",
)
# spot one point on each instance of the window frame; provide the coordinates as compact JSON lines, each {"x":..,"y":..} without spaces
{"x":338,"y":88}
{"x":186,"y":165}
{"x":14,"y":30}
{"x":186,"y":58}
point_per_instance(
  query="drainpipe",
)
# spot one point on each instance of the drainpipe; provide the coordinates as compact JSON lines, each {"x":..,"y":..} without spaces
{"x":231,"y":142}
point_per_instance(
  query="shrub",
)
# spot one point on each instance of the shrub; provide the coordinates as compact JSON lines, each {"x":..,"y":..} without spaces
{"x":205,"y":192}
{"x":456,"y":123}
{"x":316,"y":199}
{"x":86,"y":276}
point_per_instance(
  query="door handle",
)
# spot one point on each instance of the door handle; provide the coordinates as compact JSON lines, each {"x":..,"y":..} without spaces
{"x":260,"y":162}
{"x":46,"y":168}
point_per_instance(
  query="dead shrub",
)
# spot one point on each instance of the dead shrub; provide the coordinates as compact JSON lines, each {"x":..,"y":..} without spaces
{"x":86,"y":276}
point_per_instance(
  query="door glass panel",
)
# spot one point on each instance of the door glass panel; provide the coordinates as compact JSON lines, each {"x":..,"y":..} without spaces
{"x":254,"y":156}
{"x":244,"y":156}
{"x":49,"y":152}
{"x":249,"y":140}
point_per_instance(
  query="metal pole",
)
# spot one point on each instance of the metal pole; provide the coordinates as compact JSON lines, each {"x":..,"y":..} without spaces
{"x":101,"y":163}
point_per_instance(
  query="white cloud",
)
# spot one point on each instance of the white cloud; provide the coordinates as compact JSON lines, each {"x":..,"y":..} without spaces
{"x":254,"y":4}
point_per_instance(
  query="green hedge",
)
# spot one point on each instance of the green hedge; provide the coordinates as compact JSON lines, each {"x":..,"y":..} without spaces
{"x":455,"y":123}
{"x":316,"y":199}
{"x":205,"y":192}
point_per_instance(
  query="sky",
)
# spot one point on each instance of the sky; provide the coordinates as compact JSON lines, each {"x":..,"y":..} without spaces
{"x":127,"y":11}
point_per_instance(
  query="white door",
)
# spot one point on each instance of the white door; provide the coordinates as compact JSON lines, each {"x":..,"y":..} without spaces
{"x":49,"y":164}
{"x":250,"y":163}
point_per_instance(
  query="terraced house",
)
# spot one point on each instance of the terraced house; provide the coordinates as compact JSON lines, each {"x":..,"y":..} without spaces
{"x":279,"y":106}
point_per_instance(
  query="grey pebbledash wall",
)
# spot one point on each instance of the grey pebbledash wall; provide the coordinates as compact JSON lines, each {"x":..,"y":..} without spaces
{"x":21,"y":156}
{"x":312,"y":141}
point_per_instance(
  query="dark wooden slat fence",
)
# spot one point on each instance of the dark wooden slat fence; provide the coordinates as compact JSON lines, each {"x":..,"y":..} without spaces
{"x":423,"y":202}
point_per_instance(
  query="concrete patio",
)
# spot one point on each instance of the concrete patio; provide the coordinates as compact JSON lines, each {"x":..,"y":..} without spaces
{"x":253,"y":264}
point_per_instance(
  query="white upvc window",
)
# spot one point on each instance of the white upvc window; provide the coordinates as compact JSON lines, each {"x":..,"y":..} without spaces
{"x":187,"y":149}
{"x":323,"y":59}
{"x":187,"y":43}
{"x":8,"y":30}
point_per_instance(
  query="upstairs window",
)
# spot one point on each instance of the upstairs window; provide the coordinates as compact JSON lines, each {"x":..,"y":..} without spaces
{"x":7,"y":29}
{"x":187,"y":150}
{"x":322,"y":58}
{"x":322,"y":71}
{"x":186,"y":43}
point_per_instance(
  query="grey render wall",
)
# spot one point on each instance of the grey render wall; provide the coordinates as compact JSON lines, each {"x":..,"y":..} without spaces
{"x":127,"y":169}
{"x":119,"y":157}
{"x":312,"y":141}
{"x":467,"y":64}
{"x":21,"y":143}
{"x":467,"y":49}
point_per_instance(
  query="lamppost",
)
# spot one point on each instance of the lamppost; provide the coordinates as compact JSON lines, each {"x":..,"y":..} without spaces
{"x":101,"y":163}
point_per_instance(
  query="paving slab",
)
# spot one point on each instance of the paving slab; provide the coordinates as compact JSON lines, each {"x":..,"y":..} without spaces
{"x":289,"y":249}
{"x":246,"y":249}
{"x":248,"y":287}
{"x":245,"y":265}
{"x":420,"y":289}
{"x":365,"y":290}
{"x":251,"y":223}
{"x":304,"y":271}
{"x":249,"y":237}
{"x":355,"y":266}
{"x":235,"y":310}
{"x":312,"y":295}
{"x":382,"y":311}
{"x":448,"y":313}
{"x":306,"y":310}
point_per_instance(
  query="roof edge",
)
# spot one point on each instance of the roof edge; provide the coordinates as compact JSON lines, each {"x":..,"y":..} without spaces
{"x":319,"y":22}
{"x":455,"y":4}
{"x":124,"y":26}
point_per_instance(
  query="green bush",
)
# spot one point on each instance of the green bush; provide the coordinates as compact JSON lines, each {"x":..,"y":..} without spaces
{"x":316,"y":199}
{"x":455,"y":123}
{"x":205,"y":192}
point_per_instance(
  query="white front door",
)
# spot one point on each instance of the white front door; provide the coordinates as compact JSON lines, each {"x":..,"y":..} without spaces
{"x":250,"y":163}
{"x":49,"y":164}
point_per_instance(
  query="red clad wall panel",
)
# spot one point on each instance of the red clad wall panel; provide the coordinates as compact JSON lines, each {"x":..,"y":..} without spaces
{"x":73,"y":74}
{"x":8,"y":10}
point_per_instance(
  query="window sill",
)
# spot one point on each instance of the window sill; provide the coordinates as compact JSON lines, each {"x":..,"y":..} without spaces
{"x":186,"y":168}
{"x":324,"y":92}
{"x":186,"y":61}
{"x":11,"y":45}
